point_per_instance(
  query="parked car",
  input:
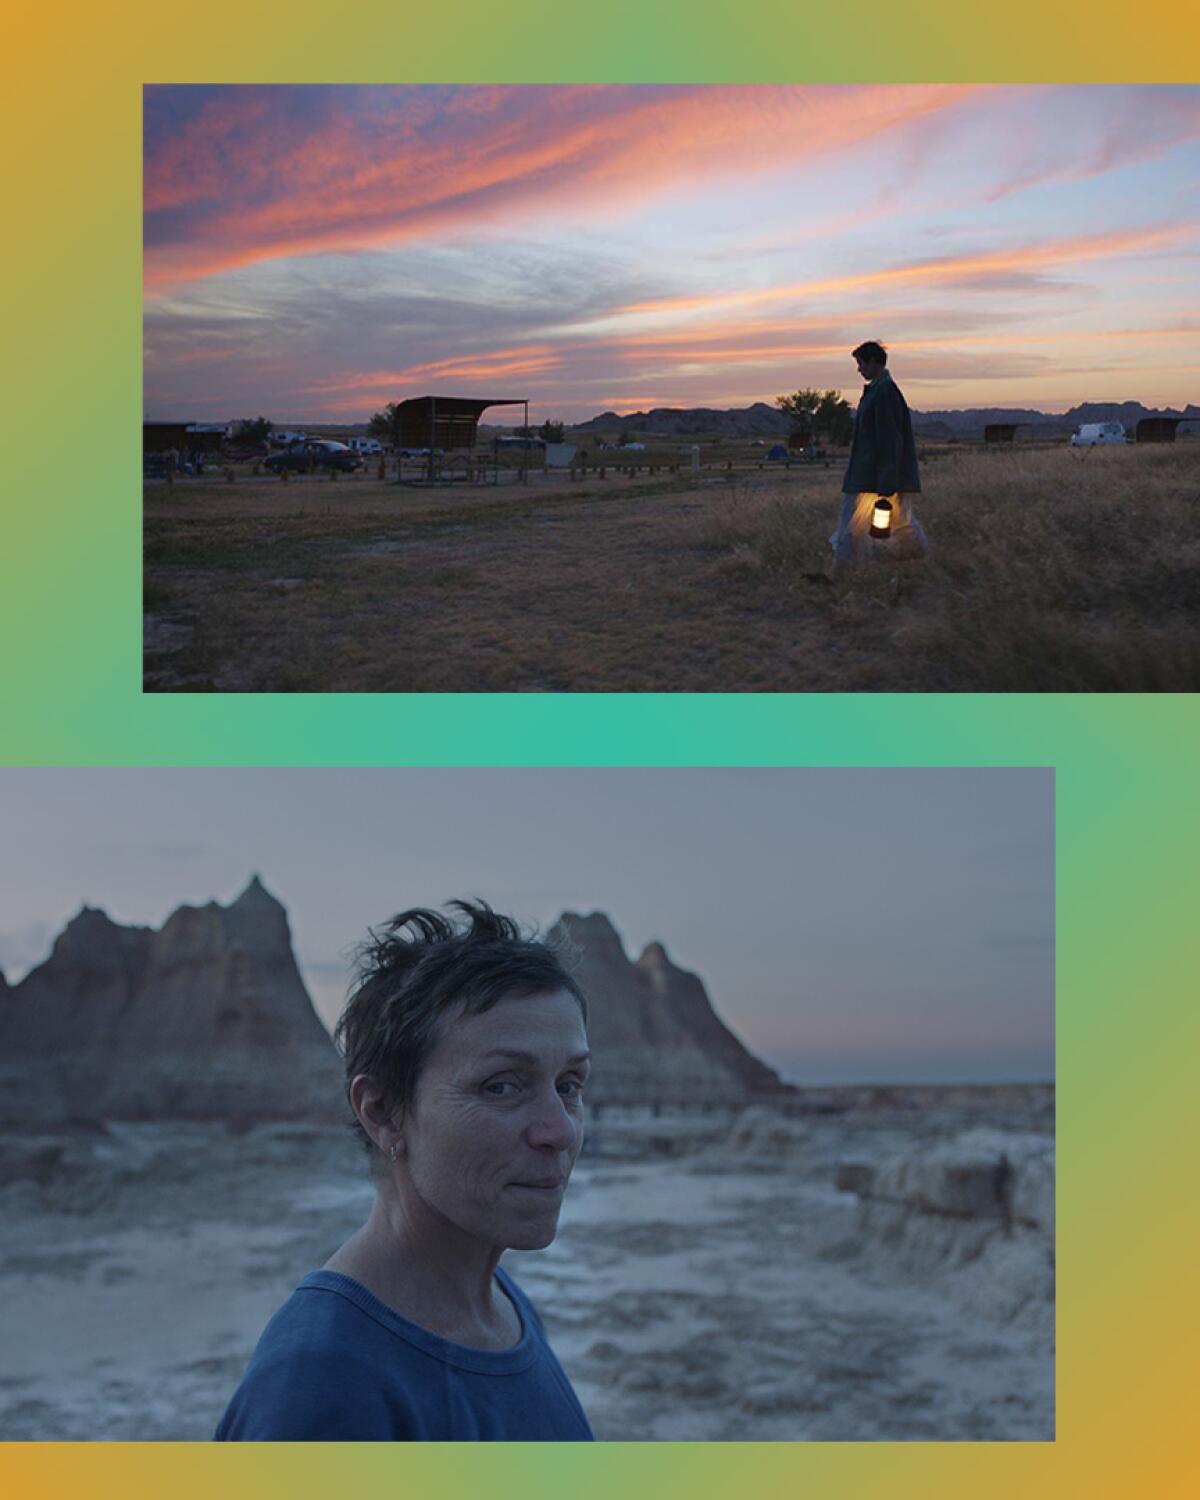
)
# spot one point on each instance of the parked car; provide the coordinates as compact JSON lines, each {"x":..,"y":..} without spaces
{"x":365,"y":445}
{"x":1092,"y":433}
{"x":323,"y":455}
{"x":331,"y":455}
{"x":420,"y":453}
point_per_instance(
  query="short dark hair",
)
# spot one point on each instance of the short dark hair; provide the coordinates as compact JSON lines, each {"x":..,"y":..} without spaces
{"x":876,"y":353}
{"x":414,"y":971}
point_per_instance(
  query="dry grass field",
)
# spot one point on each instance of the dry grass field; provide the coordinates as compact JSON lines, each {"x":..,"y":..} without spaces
{"x":1050,"y":570}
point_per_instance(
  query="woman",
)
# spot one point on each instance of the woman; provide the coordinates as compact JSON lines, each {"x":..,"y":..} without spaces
{"x":466,"y":1055}
{"x":882,"y":466}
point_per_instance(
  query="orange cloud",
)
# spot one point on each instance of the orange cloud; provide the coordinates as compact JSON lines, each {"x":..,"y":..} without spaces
{"x":525,"y":361}
{"x":688,"y":337}
{"x":694,"y":350}
{"x":937,"y":271}
{"x":717,"y":353}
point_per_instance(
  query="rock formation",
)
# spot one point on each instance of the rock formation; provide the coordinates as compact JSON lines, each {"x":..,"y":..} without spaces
{"x":654,"y":1035}
{"x":979,"y":1206}
{"x":207,"y":1018}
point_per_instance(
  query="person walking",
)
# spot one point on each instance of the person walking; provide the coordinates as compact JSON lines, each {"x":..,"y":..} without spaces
{"x":883,"y":466}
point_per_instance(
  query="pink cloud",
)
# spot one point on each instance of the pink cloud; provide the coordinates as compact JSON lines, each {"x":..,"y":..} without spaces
{"x":258,"y":193}
{"x":522,"y":361}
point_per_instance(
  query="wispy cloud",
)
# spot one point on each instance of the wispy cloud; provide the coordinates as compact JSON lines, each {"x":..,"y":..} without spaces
{"x":316,"y":252}
{"x":1136,"y":125}
{"x":981,"y":269}
{"x":527,"y":361}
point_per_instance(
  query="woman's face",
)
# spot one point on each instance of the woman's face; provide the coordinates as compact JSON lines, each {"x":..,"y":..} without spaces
{"x":496,"y":1120}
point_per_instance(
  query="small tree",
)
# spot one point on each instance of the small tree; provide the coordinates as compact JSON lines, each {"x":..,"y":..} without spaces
{"x":626,"y":438}
{"x":551,"y":432}
{"x":801,"y":406}
{"x":834,"y":419}
{"x":251,"y":429}
{"x":383,"y":425}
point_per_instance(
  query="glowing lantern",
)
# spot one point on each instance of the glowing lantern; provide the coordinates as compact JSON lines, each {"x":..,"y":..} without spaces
{"x":881,"y":518}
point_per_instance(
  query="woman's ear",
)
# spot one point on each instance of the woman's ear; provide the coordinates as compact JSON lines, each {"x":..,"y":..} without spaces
{"x":373,"y":1112}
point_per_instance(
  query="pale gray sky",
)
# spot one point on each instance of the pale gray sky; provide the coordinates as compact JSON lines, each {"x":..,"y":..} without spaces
{"x":849,"y":924}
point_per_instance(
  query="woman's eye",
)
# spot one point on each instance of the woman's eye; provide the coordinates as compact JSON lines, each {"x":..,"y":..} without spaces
{"x":503,"y":1088}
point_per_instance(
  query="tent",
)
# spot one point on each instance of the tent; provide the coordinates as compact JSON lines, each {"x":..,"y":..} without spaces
{"x":778,"y":451}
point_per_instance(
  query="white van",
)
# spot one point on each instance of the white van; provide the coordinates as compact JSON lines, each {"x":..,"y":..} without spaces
{"x":1092,"y":433}
{"x":365,"y":445}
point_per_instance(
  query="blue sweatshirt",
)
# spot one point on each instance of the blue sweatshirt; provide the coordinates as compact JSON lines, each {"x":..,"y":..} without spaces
{"x":335,"y":1364}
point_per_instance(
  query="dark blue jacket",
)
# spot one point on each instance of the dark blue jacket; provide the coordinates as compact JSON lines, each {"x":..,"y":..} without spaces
{"x":883,"y":455}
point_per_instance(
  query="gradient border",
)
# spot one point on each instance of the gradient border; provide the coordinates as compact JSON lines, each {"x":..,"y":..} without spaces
{"x":1127,"y":810}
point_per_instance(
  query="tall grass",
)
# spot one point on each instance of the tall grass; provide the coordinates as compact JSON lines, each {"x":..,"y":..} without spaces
{"x":1049,"y":570}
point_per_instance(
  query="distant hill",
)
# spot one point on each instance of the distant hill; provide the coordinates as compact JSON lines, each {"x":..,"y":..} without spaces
{"x":761,"y":420}
{"x":971,"y":423}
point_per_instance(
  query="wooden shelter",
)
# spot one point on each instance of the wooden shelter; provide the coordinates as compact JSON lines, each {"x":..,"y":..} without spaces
{"x":446,"y":422}
{"x":186,"y":437}
{"x":1156,"y":429}
{"x":157,"y":437}
{"x":1000,"y":432}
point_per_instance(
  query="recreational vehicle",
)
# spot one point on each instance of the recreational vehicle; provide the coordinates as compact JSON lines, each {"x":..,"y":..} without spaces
{"x":1092,"y":433}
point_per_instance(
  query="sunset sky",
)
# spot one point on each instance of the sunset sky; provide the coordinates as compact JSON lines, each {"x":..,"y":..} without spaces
{"x":850,"y":925}
{"x":315,"y":252}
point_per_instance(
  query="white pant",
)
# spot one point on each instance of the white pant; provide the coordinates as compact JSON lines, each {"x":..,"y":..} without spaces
{"x":852,"y":539}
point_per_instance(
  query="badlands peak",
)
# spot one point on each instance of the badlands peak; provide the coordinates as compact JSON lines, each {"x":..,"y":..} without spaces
{"x":655,"y":1036}
{"x":206,"y":1017}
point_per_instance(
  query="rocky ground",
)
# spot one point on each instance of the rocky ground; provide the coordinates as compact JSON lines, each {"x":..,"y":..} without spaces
{"x":710,"y":1279}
